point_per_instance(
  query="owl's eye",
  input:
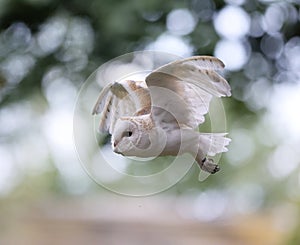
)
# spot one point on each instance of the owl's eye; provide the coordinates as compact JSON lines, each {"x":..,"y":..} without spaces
{"x":127,"y":134}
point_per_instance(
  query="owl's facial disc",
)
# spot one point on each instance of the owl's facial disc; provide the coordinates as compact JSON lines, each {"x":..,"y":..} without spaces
{"x":124,"y":137}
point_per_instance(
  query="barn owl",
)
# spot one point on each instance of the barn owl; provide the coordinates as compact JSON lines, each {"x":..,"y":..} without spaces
{"x":160,"y":116}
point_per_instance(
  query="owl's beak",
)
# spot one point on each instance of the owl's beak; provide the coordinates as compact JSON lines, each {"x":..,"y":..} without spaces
{"x":115,"y":149}
{"x":118,"y":152}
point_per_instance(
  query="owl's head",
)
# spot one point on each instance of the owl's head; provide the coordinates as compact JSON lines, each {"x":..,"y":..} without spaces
{"x":128,"y":137}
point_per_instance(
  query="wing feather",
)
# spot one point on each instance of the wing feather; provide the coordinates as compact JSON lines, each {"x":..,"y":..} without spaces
{"x":121,"y":99}
{"x":200,"y":71}
{"x":195,"y":81}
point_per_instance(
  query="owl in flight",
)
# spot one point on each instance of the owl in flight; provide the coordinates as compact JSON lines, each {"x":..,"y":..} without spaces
{"x":160,"y":116}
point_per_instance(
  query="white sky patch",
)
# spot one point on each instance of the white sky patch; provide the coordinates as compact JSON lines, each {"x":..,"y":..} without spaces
{"x":233,"y":53}
{"x":58,"y":89}
{"x":117,"y":161}
{"x":16,"y":67}
{"x":57,"y":127}
{"x":52,"y":34}
{"x":108,"y":167}
{"x":284,"y":112}
{"x":235,"y":2}
{"x":283,"y":161}
{"x":171,"y":44}
{"x":8,"y":171}
{"x":258,"y":94}
{"x":283,"y":116}
{"x":241,"y":148}
{"x":8,"y":122}
{"x":247,"y":198}
{"x":27,"y":162}
{"x":273,"y":19}
{"x":210,"y":205}
{"x":232,"y":22}
{"x":180,"y":22}
{"x":292,"y":54}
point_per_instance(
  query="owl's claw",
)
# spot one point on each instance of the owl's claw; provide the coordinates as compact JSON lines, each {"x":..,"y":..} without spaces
{"x":208,"y":165}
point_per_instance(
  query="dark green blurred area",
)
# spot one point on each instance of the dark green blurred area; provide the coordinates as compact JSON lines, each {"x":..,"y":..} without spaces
{"x":49,"y":48}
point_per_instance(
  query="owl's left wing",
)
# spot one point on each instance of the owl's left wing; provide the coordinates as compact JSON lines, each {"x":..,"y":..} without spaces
{"x":185,"y":88}
{"x":119,"y":99}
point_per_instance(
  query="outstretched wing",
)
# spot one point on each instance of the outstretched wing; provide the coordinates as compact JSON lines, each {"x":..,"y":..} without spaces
{"x":127,"y":98}
{"x":185,"y":88}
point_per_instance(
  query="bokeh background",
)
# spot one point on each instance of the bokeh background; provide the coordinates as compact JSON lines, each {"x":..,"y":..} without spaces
{"x":49,"y":48}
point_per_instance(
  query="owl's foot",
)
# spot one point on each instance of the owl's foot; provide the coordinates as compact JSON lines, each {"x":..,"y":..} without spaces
{"x":208,"y":165}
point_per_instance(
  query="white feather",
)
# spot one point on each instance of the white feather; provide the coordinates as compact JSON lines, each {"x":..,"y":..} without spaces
{"x":118,"y":100}
{"x":195,"y":81}
{"x":169,"y":105}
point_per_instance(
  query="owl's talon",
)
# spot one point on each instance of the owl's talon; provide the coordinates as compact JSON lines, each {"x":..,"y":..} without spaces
{"x":209,"y":166}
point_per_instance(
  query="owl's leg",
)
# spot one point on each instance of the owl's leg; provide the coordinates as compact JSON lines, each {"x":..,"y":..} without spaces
{"x":206,"y":164}
{"x":210,"y":144}
{"x":199,"y":146}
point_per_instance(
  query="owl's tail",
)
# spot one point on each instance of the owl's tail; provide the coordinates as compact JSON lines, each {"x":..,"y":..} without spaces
{"x":213,"y":143}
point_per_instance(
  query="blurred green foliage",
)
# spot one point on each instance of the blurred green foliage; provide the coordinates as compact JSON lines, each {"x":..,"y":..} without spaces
{"x":87,"y":34}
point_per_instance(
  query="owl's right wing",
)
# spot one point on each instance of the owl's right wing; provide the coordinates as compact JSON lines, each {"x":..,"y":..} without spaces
{"x":119,"y":99}
{"x":184,"y":88}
